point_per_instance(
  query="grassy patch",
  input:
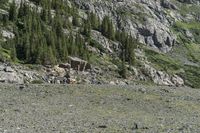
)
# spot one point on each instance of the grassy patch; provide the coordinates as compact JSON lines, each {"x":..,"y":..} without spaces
{"x":193,"y":52}
{"x":162,"y":61}
{"x":191,"y":25}
{"x":191,"y":76}
{"x":4,"y":54}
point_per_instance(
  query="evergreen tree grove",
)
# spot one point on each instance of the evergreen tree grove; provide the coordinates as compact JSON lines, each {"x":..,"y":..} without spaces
{"x":52,"y":30}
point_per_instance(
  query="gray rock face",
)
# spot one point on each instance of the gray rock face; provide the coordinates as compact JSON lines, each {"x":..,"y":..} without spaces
{"x":107,"y":44}
{"x":17,"y":74}
{"x":168,"y":4}
{"x":162,"y":78}
{"x":144,"y":19}
{"x":9,"y":69}
{"x":8,"y":75}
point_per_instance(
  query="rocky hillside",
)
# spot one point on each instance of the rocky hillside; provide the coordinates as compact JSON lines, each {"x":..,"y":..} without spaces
{"x":118,"y":41}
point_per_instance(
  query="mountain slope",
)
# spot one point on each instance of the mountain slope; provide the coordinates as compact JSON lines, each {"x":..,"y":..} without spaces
{"x":132,"y":40}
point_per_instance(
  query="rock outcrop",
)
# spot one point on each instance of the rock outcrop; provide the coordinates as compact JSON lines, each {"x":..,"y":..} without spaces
{"x":162,"y":78}
{"x":17,"y":74}
{"x":146,"y":20}
{"x":79,"y":64}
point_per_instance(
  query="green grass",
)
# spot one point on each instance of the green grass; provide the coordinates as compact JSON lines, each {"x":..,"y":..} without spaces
{"x":4,"y":54}
{"x":163,"y":62}
{"x":192,"y":76}
{"x":193,"y":52}
{"x":191,"y":25}
{"x":185,"y":9}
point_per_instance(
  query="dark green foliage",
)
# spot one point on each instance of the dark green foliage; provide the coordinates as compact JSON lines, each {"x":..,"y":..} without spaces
{"x":94,"y":21}
{"x":87,"y":29}
{"x":75,"y":21}
{"x":4,"y":18}
{"x":13,"y":12}
{"x":128,"y":46}
{"x":127,"y":41}
{"x":122,"y":68}
{"x":107,"y":28}
{"x":40,"y":37}
{"x":13,"y":54}
{"x":48,"y":36}
{"x":191,"y":76}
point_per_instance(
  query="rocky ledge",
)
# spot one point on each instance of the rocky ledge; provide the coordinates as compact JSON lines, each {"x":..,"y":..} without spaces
{"x":78,"y":71}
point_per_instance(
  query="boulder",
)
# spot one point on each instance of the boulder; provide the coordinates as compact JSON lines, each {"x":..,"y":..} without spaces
{"x":61,"y":80}
{"x":60,"y":72}
{"x":79,"y":64}
{"x":162,"y":78}
{"x":7,"y":77}
{"x":64,"y":65}
{"x":8,"y":69}
{"x":168,"y":4}
{"x":2,"y":68}
{"x":178,"y":81}
{"x":72,"y":81}
{"x":122,"y":83}
{"x":112,"y":83}
{"x":7,"y":34}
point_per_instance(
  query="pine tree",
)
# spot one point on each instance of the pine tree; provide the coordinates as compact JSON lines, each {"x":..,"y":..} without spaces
{"x":87,"y":29}
{"x":94,"y":20}
{"x":13,"y":12}
{"x":5,"y":20}
{"x":52,"y":59}
{"x":13,"y":51}
{"x":107,"y":28}
{"x":123,"y":70}
{"x":75,"y":21}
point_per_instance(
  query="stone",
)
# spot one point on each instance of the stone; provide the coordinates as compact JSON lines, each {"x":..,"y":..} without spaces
{"x":59,"y":71}
{"x":79,"y":64}
{"x":112,"y":83}
{"x":7,"y":77}
{"x":21,"y":86}
{"x":162,"y":78}
{"x":122,"y":83}
{"x":102,"y":126}
{"x":168,"y":4}
{"x":178,"y":81}
{"x":97,"y":70}
{"x":7,"y":34}
{"x":72,"y":81}
{"x":142,"y":90}
{"x":64,"y":65}
{"x":2,"y":68}
{"x":9,"y":69}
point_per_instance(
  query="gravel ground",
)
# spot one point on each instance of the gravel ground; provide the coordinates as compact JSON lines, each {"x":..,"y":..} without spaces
{"x":98,"y":109}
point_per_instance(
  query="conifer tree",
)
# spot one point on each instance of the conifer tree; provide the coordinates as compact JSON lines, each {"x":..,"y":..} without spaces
{"x":94,"y":20}
{"x":87,"y":28}
{"x":13,"y":54}
{"x":13,"y":12}
{"x":107,"y":28}
{"x":5,"y":20}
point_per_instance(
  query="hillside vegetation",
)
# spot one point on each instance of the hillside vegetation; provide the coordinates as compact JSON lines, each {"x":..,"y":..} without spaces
{"x":134,"y":37}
